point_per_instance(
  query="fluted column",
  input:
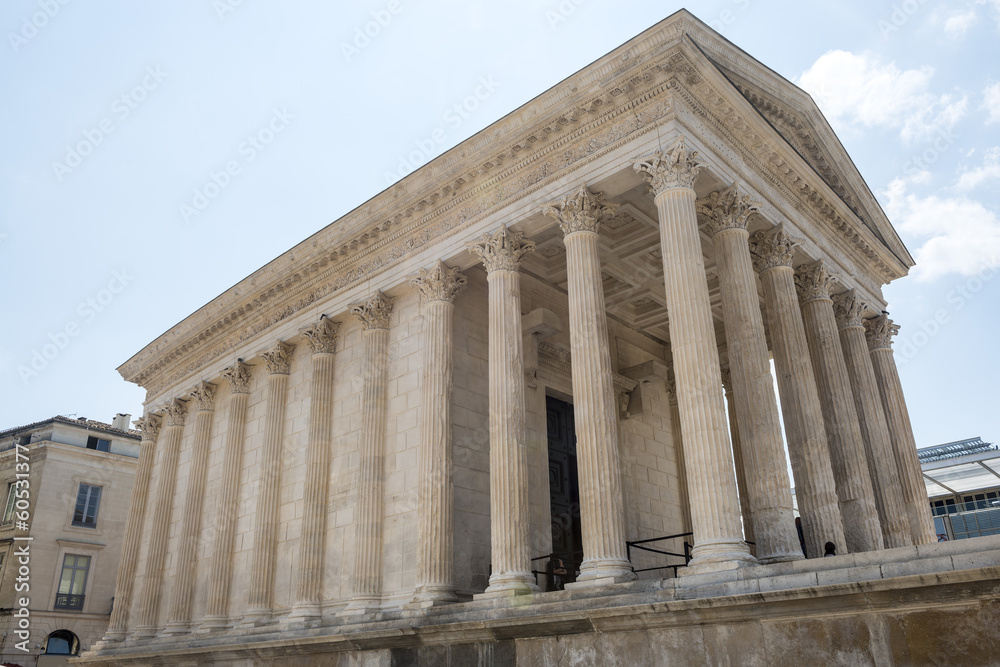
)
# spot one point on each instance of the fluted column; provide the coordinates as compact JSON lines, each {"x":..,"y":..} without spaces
{"x":374,"y":315}
{"x":602,"y":511}
{"x":152,"y":585}
{"x":815,"y":487}
{"x":741,"y":471}
{"x":501,"y":253}
{"x":260,"y":589}
{"x":715,"y":518}
{"x":874,"y":430}
{"x":768,"y":486}
{"x":194,"y":498}
{"x":678,"y":439}
{"x":435,"y":503}
{"x":150,"y":427}
{"x":322,"y":338}
{"x":880,"y":331}
{"x":862,"y":529}
{"x":219,"y":582}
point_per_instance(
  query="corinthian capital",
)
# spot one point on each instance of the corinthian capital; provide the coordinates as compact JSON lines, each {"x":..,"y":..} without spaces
{"x":502,"y":250}
{"x":772,"y":249}
{"x":727,"y":210}
{"x":375,"y":312}
{"x":880,"y":331}
{"x":279,"y":358}
{"x":149,"y":424}
{"x":204,"y":396}
{"x":813,"y":281}
{"x":323,"y":335}
{"x":582,"y":212}
{"x":238,"y":375}
{"x":439,"y":283}
{"x":848,"y":309}
{"x":175,"y":412}
{"x":675,"y":168}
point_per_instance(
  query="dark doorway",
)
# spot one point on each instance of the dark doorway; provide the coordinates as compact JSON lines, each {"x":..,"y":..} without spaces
{"x":564,"y":494}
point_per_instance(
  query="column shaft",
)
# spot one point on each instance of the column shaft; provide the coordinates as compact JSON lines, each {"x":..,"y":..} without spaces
{"x":435,"y":557}
{"x":708,"y":457}
{"x":152,"y":585}
{"x":862,"y":529}
{"x":260,"y":592}
{"x":768,"y":486}
{"x":874,"y":430}
{"x":150,"y":425}
{"x":367,"y":593}
{"x":880,"y":332}
{"x":678,"y":442}
{"x":309,"y":573}
{"x":194,"y":499}
{"x":738,"y":465}
{"x":228,"y":505}
{"x":815,"y":487}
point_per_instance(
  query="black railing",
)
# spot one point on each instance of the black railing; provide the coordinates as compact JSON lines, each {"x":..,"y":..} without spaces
{"x":69,"y":601}
{"x":639,"y":544}
{"x":570,"y":565}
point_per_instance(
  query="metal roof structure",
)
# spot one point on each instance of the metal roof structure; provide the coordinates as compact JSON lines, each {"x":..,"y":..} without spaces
{"x":960,"y":467}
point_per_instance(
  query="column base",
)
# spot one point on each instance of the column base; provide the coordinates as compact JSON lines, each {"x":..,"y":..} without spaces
{"x":601,"y":569}
{"x":113,"y":636}
{"x":305,"y":613}
{"x":177,"y":628}
{"x":432,"y":595}
{"x":256,"y":618}
{"x":509,"y":584}
{"x":144,"y":632}
{"x":717,"y":557}
{"x":213,"y":624}
{"x":362,"y":605}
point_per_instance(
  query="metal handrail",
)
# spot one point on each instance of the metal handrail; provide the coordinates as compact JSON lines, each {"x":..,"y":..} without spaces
{"x":638,"y":544}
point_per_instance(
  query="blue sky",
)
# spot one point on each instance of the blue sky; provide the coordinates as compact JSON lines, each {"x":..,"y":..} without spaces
{"x":157,"y":153}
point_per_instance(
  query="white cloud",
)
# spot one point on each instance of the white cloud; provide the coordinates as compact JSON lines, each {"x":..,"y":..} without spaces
{"x":860,"y":90}
{"x":995,"y":4}
{"x":962,"y":236}
{"x":991,"y":102}
{"x":990,"y":169}
{"x":956,"y":25}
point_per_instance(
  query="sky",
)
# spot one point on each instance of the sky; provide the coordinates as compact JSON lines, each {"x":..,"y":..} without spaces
{"x":157,"y":153}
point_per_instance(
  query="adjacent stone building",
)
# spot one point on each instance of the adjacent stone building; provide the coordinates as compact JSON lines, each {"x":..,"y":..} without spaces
{"x":383,"y":444}
{"x":66,"y":484}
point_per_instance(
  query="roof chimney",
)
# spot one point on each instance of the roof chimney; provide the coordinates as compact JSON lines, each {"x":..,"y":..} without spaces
{"x":121,"y":421}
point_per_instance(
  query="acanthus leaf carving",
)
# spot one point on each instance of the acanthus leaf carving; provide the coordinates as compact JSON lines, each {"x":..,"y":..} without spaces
{"x":582,"y":212}
{"x":323,"y":335}
{"x":502,"y":250}
{"x":675,"y":168}
{"x":204,"y":396}
{"x":814,"y":281}
{"x":375,"y":312}
{"x":727,"y":210}
{"x":848,"y":309}
{"x":439,"y":283}
{"x":772,"y":248}
{"x":238,"y":375}
{"x":149,"y":424}
{"x":879,"y":331}
{"x":279,"y":358}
